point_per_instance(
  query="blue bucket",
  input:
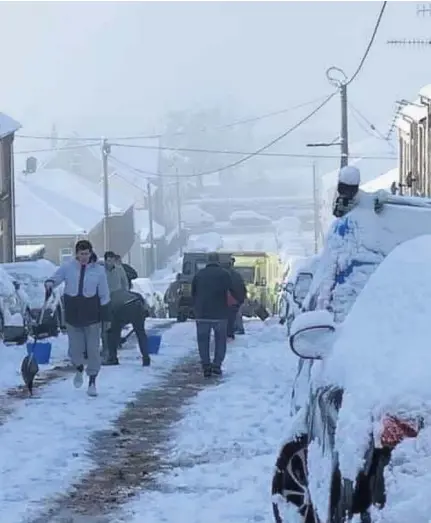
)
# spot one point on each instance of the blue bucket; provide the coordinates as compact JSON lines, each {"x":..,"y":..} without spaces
{"x":41,"y":351}
{"x":154,"y":341}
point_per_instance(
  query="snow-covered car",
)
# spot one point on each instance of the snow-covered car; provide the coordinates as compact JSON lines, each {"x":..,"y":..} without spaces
{"x":31,"y":275}
{"x":360,"y":449}
{"x":296,"y":288}
{"x":15,"y":317}
{"x":145,"y":287}
{"x":248,"y":218}
{"x":193,"y":216}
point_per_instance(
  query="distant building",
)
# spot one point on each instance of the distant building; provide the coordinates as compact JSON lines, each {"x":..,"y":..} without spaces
{"x":54,"y":208}
{"x":8,"y":127}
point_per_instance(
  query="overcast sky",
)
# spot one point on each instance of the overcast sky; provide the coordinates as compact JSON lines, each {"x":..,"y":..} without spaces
{"x":113,"y":64}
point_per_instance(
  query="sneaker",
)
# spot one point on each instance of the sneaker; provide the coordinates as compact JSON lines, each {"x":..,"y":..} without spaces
{"x":146,"y":361}
{"x":216,"y":369}
{"x":207,"y":371}
{"x":92,"y":391}
{"x":78,"y":380}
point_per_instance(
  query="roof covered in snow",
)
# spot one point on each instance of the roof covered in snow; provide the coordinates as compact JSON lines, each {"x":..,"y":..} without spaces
{"x":416,"y":110}
{"x":8,"y":125}
{"x":54,"y":202}
{"x":384,"y":181}
{"x":426,"y":91}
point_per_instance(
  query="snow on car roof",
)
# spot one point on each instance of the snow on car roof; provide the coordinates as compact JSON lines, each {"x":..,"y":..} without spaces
{"x":382,"y":355}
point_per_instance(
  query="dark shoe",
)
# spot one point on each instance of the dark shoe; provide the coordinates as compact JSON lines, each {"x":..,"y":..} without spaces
{"x":146,"y":361}
{"x":207,"y":371}
{"x":231,"y":336}
{"x":216,"y":369}
{"x":111,"y":361}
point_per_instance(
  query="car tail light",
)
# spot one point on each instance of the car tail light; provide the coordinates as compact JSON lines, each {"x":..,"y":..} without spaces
{"x":395,"y":430}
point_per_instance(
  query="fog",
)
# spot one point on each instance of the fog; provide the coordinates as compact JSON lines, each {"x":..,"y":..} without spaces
{"x":119,"y":68}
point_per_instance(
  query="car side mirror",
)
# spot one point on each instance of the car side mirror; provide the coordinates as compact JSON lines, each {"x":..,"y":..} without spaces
{"x":312,"y":334}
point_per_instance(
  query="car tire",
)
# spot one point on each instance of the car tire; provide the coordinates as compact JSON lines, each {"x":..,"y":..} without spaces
{"x":181,"y":317}
{"x":290,"y":481}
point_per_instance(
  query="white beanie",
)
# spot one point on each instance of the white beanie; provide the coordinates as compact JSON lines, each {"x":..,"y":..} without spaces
{"x":349,"y":175}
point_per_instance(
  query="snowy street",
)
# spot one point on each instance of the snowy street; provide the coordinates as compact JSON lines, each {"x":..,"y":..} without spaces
{"x":206,"y":448}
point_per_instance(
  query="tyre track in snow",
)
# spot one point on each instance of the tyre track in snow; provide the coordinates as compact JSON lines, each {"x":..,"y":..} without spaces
{"x":11,"y":397}
{"x":128,"y":456}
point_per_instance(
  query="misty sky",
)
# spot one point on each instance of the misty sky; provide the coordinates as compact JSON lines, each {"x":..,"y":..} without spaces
{"x":114,"y":65}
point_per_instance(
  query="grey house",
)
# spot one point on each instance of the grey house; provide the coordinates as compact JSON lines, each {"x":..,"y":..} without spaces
{"x":8,"y":127}
{"x":55,"y":209}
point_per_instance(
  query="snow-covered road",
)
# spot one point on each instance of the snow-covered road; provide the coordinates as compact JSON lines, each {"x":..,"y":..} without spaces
{"x":218,"y":459}
{"x":224,"y":449}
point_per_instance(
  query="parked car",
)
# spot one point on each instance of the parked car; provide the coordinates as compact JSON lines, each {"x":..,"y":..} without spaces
{"x":249,"y":218}
{"x":145,"y":287}
{"x":355,"y":246}
{"x":359,"y":450}
{"x":295,"y":288}
{"x":193,"y":216}
{"x":31,"y":275}
{"x":15,"y":318}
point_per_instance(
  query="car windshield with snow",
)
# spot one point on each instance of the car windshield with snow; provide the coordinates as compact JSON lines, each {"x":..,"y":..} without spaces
{"x":361,"y":443}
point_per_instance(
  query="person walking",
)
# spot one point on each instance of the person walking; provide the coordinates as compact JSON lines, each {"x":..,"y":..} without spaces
{"x":115,"y":273}
{"x":131,"y":274}
{"x":235,"y":322}
{"x":127,"y":307}
{"x":171,"y":296}
{"x":210,"y":288}
{"x":87,"y":306}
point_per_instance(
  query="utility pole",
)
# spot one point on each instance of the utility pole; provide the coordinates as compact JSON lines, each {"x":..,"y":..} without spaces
{"x":316,"y":209}
{"x":344,"y":126}
{"x":153,"y":263}
{"x":179,"y":218}
{"x":343,"y":140}
{"x":106,"y":150}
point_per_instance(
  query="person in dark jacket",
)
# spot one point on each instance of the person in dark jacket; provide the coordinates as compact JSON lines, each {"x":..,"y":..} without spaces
{"x":127,"y":307}
{"x":129,"y":270}
{"x":210,"y":288}
{"x":235,"y":308}
{"x":171,"y":296}
{"x":87,"y":305}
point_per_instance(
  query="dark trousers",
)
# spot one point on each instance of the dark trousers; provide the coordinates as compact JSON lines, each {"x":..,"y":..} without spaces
{"x":231,"y":320}
{"x":137,"y":319}
{"x":203,"y":331}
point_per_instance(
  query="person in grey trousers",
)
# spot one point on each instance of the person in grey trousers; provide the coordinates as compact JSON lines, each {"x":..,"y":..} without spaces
{"x":210,"y":288}
{"x":87,"y":306}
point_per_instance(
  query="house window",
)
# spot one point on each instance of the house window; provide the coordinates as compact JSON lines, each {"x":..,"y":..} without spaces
{"x":66,"y":254}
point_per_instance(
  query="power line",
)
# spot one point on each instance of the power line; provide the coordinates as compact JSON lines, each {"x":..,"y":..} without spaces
{"x":228,"y":151}
{"x":254,"y":153}
{"x":368,"y":123}
{"x":181,"y":133}
{"x":55,"y":149}
{"x":370,"y":44}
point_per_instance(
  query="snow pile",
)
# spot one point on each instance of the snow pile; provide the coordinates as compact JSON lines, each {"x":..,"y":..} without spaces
{"x":228,"y":441}
{"x":356,"y":244}
{"x":386,"y":336}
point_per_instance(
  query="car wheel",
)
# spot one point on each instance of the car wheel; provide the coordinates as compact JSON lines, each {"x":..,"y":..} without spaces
{"x":290,"y":482}
{"x":181,"y":317}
